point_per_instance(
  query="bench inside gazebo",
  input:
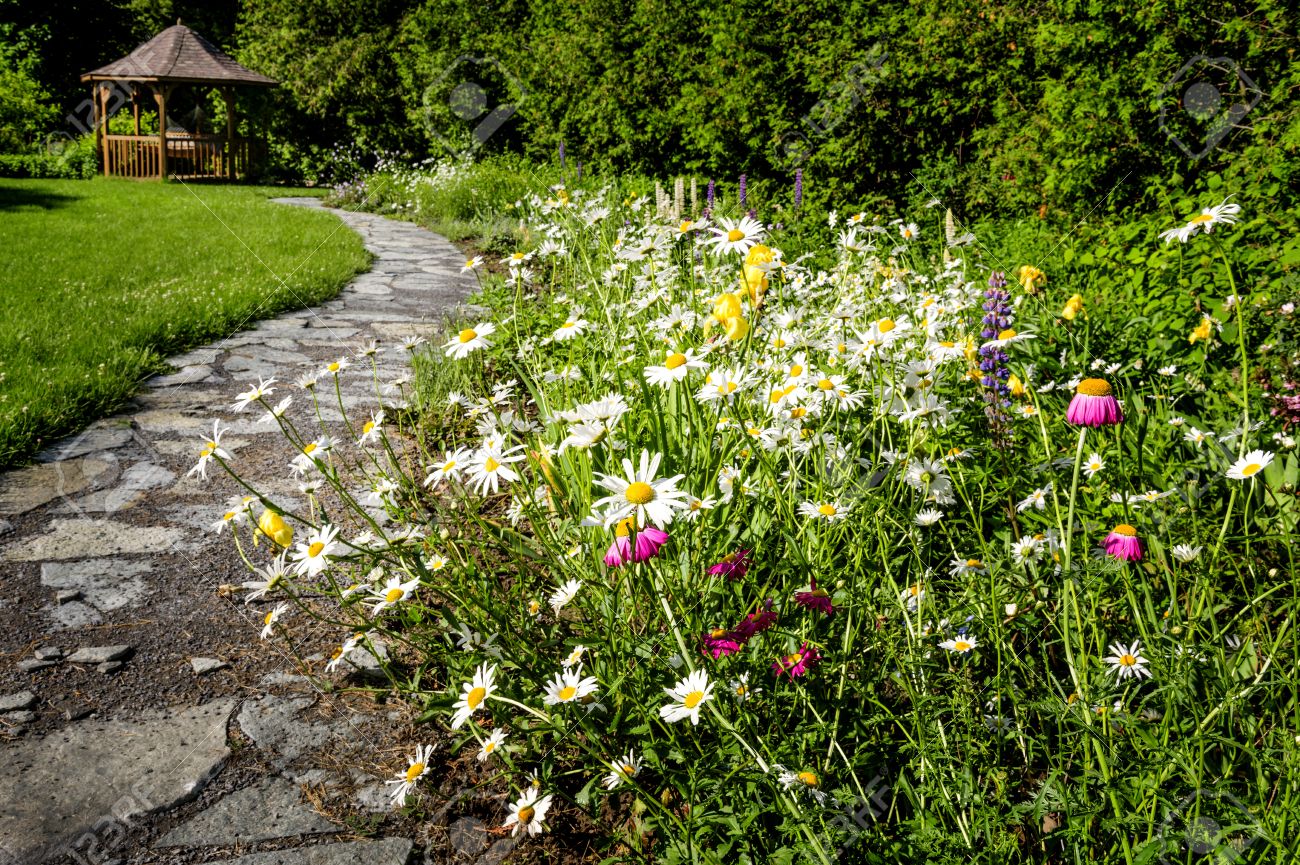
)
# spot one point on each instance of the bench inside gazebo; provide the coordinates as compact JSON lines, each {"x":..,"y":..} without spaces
{"x":176,"y":57}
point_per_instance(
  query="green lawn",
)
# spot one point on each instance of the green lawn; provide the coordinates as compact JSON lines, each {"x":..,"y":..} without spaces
{"x":101,"y":280}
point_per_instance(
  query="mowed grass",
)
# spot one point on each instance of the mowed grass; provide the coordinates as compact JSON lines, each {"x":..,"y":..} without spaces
{"x":100,"y":281}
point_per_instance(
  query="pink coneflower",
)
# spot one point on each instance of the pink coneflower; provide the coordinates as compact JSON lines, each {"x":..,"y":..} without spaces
{"x":815,"y":599}
{"x":720,"y":642}
{"x":1122,"y":543}
{"x":1094,"y":404}
{"x":648,"y":542}
{"x":799,"y":663}
{"x":733,"y":565}
{"x":756,"y":622}
{"x":629,"y":548}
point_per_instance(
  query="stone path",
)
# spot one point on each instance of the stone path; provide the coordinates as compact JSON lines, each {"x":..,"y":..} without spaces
{"x":145,"y":721}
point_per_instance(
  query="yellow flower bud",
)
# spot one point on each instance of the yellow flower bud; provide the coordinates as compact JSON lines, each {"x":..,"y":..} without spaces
{"x":274,"y":527}
{"x":1016,"y":385}
{"x":1202,"y":331}
{"x":753,"y":280}
{"x":737,"y":329}
{"x":1073,"y":307}
{"x":726,"y":306}
{"x":760,"y":254}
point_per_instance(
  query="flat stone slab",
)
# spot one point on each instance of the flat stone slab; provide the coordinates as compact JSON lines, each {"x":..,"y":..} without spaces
{"x":127,"y":491}
{"x":99,"y":654}
{"x":17,"y":702}
{"x":390,"y":851}
{"x":103,"y":585}
{"x":196,"y":374}
{"x":95,"y":438}
{"x":272,"y":723}
{"x":25,"y":489}
{"x":200,"y":666}
{"x":83,"y":539}
{"x":63,"y":791}
{"x":271,"y":809}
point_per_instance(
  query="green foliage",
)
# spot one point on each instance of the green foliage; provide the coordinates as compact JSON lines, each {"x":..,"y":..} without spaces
{"x":26,"y":112}
{"x":89,"y":311}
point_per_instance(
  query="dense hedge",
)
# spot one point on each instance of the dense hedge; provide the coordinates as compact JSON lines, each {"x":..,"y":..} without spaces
{"x":75,"y":163}
{"x":1016,"y":105}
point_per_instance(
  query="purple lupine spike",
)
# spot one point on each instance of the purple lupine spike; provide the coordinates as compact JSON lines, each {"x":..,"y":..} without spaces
{"x":741,"y":194}
{"x":798,"y":187}
{"x":993,"y":360}
{"x":561,"y":154}
{"x":708,"y":195}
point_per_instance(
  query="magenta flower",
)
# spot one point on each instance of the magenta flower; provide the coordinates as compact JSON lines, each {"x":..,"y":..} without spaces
{"x":1094,"y":405}
{"x":630,"y":545}
{"x":798,"y":663}
{"x":733,"y":565}
{"x":815,"y":599}
{"x":648,"y":542}
{"x":720,"y":642}
{"x":1122,"y":543}
{"x":619,"y":552}
{"x":756,"y":622}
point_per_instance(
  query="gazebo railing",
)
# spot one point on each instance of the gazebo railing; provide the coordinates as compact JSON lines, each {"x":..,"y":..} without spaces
{"x":189,"y":156}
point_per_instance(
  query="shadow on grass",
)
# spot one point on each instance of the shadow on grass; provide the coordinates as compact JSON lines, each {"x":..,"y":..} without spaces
{"x":13,"y":197}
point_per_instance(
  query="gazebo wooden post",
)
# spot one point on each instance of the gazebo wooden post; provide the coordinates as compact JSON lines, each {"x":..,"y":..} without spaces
{"x":160,"y":95}
{"x":95,"y":120}
{"x":101,"y":101}
{"x":228,"y":96}
{"x":135,"y":107}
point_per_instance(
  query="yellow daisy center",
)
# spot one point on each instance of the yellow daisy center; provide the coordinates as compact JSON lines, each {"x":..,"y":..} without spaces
{"x":886,"y":325}
{"x":1094,"y":387}
{"x":675,"y":360}
{"x":796,"y":370}
{"x":1201,"y":217}
{"x":314,"y":550}
{"x":974,"y":563}
{"x":827,"y":510}
{"x":639,"y":493}
{"x":693,"y":699}
{"x":489,"y":747}
{"x":333,"y":367}
{"x":566,"y":693}
{"x":415,"y":771}
{"x":368,"y":426}
{"x":826,"y":384}
{"x":685,"y":226}
{"x":392,"y":596}
{"x":808,"y":778}
{"x":526,"y":814}
{"x":467,"y":335}
{"x":268,"y":618}
{"x":1127,"y":660}
{"x":734,"y":235}
{"x":1250,"y":469}
{"x":1009,"y":333}
{"x":961,"y":645}
{"x":491,"y":465}
{"x":311,"y":446}
{"x":475,"y":697}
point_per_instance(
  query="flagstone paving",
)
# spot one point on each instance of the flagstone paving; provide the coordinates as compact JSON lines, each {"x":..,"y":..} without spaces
{"x":144,"y":721}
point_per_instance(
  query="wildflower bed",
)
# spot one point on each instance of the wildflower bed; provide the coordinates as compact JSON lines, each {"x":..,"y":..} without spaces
{"x":863,"y":552}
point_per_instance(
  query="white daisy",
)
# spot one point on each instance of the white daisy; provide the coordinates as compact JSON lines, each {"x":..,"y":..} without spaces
{"x":564,"y":594}
{"x":1250,"y":465}
{"x":1128,"y":661}
{"x":624,"y":769}
{"x":473,"y":694}
{"x":416,"y":769}
{"x":211,"y":450}
{"x":569,"y":686}
{"x":528,"y":812}
{"x":392,"y":593}
{"x":688,"y":697}
{"x":830,"y":511}
{"x":312,"y":556}
{"x":469,"y":340}
{"x":491,"y":744}
{"x":735,"y":235}
{"x":653,"y":501}
{"x":254,"y":393}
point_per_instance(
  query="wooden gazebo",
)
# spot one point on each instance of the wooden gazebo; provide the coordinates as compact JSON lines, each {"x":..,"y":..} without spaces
{"x":175,"y":57}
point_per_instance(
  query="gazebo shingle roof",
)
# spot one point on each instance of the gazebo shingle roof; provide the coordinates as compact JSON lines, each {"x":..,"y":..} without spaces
{"x":178,"y":54}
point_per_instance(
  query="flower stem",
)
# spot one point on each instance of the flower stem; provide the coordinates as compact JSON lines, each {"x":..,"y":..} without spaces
{"x":1074,"y":490}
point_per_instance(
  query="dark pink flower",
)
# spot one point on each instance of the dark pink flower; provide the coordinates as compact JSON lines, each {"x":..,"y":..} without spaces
{"x":647,"y":543}
{"x":630,"y":545}
{"x":1094,"y":404}
{"x":733,"y":565}
{"x":756,"y":622}
{"x":815,"y":599}
{"x":720,"y":642}
{"x":1122,"y":543}
{"x":799,"y":663}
